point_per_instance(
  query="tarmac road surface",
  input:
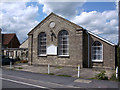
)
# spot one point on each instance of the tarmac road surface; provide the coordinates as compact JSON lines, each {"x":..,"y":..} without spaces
{"x":22,"y":79}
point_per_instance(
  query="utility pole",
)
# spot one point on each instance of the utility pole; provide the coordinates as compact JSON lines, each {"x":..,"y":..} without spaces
{"x":119,"y":42}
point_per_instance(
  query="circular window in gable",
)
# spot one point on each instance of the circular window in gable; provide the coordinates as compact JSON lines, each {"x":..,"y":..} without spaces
{"x":52,"y":24}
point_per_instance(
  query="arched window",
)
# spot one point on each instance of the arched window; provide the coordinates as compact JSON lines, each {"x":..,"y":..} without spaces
{"x":63,"y":43}
{"x":42,"y":44}
{"x":97,"y":50}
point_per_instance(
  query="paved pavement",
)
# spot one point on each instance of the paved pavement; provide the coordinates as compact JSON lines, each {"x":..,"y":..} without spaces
{"x":58,"y":70}
{"x":22,"y":79}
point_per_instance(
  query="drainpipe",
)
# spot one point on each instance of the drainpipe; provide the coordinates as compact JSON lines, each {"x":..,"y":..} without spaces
{"x":32,"y":49}
{"x":88,"y":48}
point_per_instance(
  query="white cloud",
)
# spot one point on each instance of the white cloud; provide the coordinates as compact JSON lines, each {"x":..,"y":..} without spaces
{"x":103,"y":23}
{"x":65,"y":9}
{"x":18,"y":18}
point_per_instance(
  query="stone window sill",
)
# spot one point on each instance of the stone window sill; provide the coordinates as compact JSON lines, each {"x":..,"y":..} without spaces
{"x":97,"y":61}
{"x":63,"y":55}
{"x":42,"y":55}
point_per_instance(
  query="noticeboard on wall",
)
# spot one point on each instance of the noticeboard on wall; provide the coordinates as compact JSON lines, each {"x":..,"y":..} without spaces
{"x":52,"y":50}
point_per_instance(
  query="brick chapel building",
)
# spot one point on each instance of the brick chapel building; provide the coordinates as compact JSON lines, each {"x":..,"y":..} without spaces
{"x":59,"y":42}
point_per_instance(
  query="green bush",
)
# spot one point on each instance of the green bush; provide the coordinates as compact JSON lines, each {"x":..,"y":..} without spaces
{"x":113,"y":77}
{"x":23,"y":61}
{"x":19,"y":68}
{"x":58,"y":67}
{"x":17,"y":58}
{"x":101,"y":76}
{"x":51,"y":74}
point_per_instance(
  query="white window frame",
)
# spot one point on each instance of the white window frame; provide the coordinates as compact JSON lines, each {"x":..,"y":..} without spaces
{"x":60,"y":45}
{"x":97,"y":60}
{"x":42,"y":45}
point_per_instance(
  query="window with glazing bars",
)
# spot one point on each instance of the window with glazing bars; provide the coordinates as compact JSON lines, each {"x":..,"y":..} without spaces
{"x":63,"y":43}
{"x":42,"y":44}
{"x":97,"y":51}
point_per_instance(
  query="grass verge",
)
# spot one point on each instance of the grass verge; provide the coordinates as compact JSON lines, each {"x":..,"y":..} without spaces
{"x":64,"y":75}
{"x":19,"y":67}
{"x":58,"y":67}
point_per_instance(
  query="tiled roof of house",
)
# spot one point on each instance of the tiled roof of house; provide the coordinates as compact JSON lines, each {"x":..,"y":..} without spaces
{"x":7,"y":38}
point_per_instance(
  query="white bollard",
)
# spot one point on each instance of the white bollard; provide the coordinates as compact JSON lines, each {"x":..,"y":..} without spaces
{"x":10,"y":65}
{"x":116,"y":72}
{"x":78,"y":71}
{"x":48,"y":69}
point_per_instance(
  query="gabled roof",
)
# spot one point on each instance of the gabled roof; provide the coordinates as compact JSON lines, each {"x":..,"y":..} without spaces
{"x":101,"y":38}
{"x":24,"y":41}
{"x":56,"y":16}
{"x":78,"y":27}
{"x":7,"y":38}
{"x":24,"y":44}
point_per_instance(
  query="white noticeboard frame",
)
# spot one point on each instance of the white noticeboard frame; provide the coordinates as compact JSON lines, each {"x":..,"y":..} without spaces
{"x":52,"y":50}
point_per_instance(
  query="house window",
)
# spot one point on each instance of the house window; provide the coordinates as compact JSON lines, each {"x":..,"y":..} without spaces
{"x":42,"y":44}
{"x":63,"y":43}
{"x":97,"y":50}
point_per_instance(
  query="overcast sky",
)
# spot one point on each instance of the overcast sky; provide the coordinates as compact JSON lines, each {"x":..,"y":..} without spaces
{"x":98,"y":17}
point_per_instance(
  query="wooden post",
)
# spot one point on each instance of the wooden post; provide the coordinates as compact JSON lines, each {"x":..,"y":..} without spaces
{"x":78,"y":71}
{"x":10,"y":65}
{"x":116,"y":72}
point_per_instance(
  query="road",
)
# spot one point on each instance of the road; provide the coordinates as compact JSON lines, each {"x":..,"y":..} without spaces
{"x":22,"y":79}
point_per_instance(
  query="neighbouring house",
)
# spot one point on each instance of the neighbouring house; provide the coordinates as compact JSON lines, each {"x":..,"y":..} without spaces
{"x":12,"y":47}
{"x":24,"y":44}
{"x":24,"y":50}
{"x":59,"y":42}
{"x":10,"y":44}
{"x":10,"y":41}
